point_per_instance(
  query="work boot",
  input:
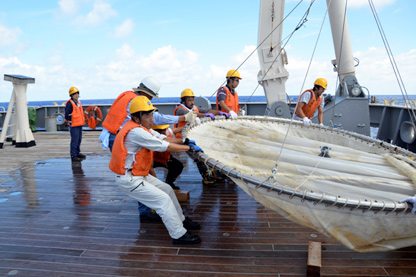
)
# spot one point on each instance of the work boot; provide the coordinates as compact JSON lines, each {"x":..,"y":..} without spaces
{"x":82,"y":156}
{"x":173,"y":185}
{"x":216,"y":175}
{"x":150,"y":216}
{"x":188,"y":224}
{"x":187,"y":239}
{"x":76,"y":159}
{"x":208,"y":181}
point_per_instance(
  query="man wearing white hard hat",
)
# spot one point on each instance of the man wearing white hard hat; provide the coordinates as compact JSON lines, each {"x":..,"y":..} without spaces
{"x":119,"y":112}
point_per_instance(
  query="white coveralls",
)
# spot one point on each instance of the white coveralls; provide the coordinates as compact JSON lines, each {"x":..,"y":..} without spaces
{"x":149,"y":190}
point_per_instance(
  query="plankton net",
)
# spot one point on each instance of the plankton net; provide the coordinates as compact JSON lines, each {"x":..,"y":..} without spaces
{"x":342,"y":184}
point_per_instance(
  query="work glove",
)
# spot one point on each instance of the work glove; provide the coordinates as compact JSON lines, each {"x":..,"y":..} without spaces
{"x":242,"y":112}
{"x":227,"y":115}
{"x":233,"y":114}
{"x":210,"y":115}
{"x":190,"y":117}
{"x":189,"y":141}
{"x":411,"y":201}
{"x":307,"y":122}
{"x":195,"y":148}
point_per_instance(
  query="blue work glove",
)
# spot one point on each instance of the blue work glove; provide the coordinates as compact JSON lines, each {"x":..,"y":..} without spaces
{"x":411,"y":201}
{"x":227,"y":115}
{"x":210,"y":115}
{"x":195,"y":148}
{"x":189,"y":141}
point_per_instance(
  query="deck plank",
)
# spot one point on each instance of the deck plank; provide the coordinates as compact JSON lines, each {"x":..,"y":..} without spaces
{"x":70,"y":219}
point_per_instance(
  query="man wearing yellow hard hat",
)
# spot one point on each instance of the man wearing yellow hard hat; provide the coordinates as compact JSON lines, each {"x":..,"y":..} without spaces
{"x":310,"y":101}
{"x":74,"y":116}
{"x":188,"y":106}
{"x":131,"y":160}
{"x":227,"y":97}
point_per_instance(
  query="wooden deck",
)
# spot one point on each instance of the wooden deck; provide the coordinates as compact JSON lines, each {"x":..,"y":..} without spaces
{"x":69,"y":219}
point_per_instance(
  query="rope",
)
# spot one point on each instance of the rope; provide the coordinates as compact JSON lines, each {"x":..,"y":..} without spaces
{"x":275,"y":168}
{"x":258,"y":48}
{"x":310,"y":174}
{"x":287,"y":39}
{"x":393,"y":63}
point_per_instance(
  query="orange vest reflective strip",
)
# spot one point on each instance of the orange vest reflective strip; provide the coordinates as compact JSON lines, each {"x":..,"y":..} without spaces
{"x":163,"y":157}
{"x":77,"y":115}
{"x":231,"y":101}
{"x":142,"y":160}
{"x":118,"y":112}
{"x":183,"y":123}
{"x":309,"y":109}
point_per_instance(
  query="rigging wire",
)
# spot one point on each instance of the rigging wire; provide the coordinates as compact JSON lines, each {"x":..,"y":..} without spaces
{"x":280,"y":23}
{"x":302,"y":21}
{"x":275,"y":168}
{"x":393,"y":64}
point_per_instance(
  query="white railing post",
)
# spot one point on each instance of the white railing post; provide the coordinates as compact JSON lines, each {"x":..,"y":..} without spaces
{"x":23,"y":136}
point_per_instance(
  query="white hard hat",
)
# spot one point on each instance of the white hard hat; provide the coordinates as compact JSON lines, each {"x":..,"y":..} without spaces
{"x":150,"y":86}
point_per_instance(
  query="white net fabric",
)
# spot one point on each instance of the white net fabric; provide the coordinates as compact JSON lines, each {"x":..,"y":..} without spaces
{"x":357,"y":169}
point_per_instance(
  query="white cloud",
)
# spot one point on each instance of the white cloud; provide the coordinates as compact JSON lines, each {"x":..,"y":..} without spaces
{"x":173,"y":66}
{"x":175,"y":69}
{"x":300,"y":79}
{"x":125,"y":52}
{"x":180,"y":69}
{"x":361,"y":3}
{"x":55,"y":59}
{"x":13,"y":65}
{"x":248,"y":71}
{"x":68,"y":7}
{"x":125,"y":29}
{"x":100,"y":13}
{"x":9,"y":36}
{"x":374,"y":72}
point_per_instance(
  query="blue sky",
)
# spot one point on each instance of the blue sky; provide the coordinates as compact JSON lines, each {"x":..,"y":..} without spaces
{"x":105,"y":47}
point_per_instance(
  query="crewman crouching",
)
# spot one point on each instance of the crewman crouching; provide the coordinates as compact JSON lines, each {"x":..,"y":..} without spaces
{"x":131,"y":160}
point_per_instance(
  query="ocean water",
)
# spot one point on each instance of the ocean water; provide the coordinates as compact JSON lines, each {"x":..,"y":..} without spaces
{"x":88,"y":102}
{"x":243,"y":99}
{"x":398,"y":101}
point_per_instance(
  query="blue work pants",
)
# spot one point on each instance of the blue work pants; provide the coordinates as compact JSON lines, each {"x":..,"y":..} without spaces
{"x":76,"y":138}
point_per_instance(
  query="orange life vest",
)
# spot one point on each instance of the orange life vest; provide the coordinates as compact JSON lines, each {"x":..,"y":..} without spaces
{"x":231,"y":101}
{"x":118,"y":112}
{"x":77,"y":115}
{"x":183,"y":123}
{"x":309,"y":109}
{"x":163,"y":157}
{"x":142,"y":160}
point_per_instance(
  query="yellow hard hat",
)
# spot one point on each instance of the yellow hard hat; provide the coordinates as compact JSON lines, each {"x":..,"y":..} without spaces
{"x":160,"y":127}
{"x":187,"y":92}
{"x":321,"y":82}
{"x":233,"y":74}
{"x":73,"y":90}
{"x":141,"y":104}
